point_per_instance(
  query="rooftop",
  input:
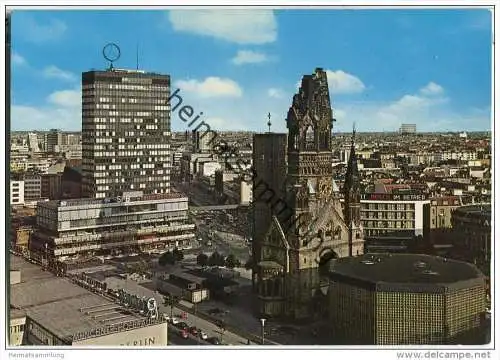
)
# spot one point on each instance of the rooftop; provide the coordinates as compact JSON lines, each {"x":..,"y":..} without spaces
{"x":404,"y":269}
{"x":60,"y":306}
{"x":479,"y":210}
{"x":117,"y":200}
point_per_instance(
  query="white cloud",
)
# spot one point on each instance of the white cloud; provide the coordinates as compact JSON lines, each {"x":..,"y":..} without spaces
{"x":18,"y":59}
{"x":62,"y":110}
{"x":66,"y":98}
{"x":432,"y":89}
{"x":56,"y":73}
{"x":211,"y":87}
{"x":44,"y":118}
{"x":429,"y":109}
{"x":341,"y":82}
{"x":237,"y":25}
{"x":275,"y":93}
{"x":38,"y":32}
{"x":249,"y":57}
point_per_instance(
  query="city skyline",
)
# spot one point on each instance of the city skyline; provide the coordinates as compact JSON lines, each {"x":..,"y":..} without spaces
{"x":434,"y":71}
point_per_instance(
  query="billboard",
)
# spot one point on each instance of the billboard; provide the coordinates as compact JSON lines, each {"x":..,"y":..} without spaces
{"x":394,"y":197}
{"x":153,"y":335}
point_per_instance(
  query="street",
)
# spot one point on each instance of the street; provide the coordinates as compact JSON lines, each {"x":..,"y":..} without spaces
{"x":211,"y":329}
{"x":174,"y":338}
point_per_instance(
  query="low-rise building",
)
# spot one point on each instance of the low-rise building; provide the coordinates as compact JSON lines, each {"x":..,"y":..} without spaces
{"x":16,"y":192}
{"x":57,"y":311}
{"x":390,"y":221}
{"x":406,"y":299}
{"x":71,"y":183}
{"x":208,"y":168}
{"x":113,"y":226}
{"x":472,"y":234}
{"x":32,"y":186}
{"x":441,"y":210}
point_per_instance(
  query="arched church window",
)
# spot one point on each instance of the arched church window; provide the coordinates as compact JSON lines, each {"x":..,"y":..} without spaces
{"x":328,"y":232}
{"x":309,"y":141}
{"x":296,"y":142}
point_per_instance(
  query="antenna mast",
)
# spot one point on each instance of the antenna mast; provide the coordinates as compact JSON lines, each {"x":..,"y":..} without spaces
{"x":137,"y":57}
{"x":269,"y":122}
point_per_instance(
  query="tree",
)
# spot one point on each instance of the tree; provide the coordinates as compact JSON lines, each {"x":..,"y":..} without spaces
{"x":216,"y":259}
{"x":202,"y":259}
{"x":171,"y":301}
{"x":232,"y":262}
{"x":178,"y":255}
{"x":166,"y":258}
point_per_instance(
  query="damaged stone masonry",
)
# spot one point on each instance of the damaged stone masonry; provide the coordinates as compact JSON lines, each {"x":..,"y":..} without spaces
{"x":291,"y":249}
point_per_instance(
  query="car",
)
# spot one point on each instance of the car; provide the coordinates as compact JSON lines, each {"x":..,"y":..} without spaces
{"x":184,"y":334}
{"x":213,"y":341}
{"x":166,"y":317}
{"x":175,"y":321}
{"x":182,"y":325}
{"x":193,"y":330}
{"x":203,"y":335}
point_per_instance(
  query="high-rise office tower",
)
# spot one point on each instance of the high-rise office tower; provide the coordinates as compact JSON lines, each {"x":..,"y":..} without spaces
{"x":54,"y":138}
{"x":33,"y":142}
{"x":125,"y":133}
{"x":406,"y":129}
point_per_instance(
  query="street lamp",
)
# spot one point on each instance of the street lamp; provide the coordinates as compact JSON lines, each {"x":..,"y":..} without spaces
{"x":262,"y":323}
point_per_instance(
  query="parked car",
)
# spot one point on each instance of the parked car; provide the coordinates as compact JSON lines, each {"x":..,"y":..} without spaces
{"x":182,"y":325}
{"x":175,"y":321}
{"x":203,"y":335}
{"x":193,"y":330}
{"x":213,"y":341}
{"x":184,"y":334}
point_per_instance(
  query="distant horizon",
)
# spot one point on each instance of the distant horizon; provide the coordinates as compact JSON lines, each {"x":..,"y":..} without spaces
{"x":265,"y":132}
{"x":436,"y":70}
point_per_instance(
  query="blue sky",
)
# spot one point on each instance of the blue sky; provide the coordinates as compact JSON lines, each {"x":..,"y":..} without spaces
{"x":385,"y":67}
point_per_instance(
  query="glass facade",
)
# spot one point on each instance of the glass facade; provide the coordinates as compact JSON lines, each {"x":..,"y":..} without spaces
{"x":84,"y":227}
{"x":125,"y":133}
{"x":363,"y":314}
